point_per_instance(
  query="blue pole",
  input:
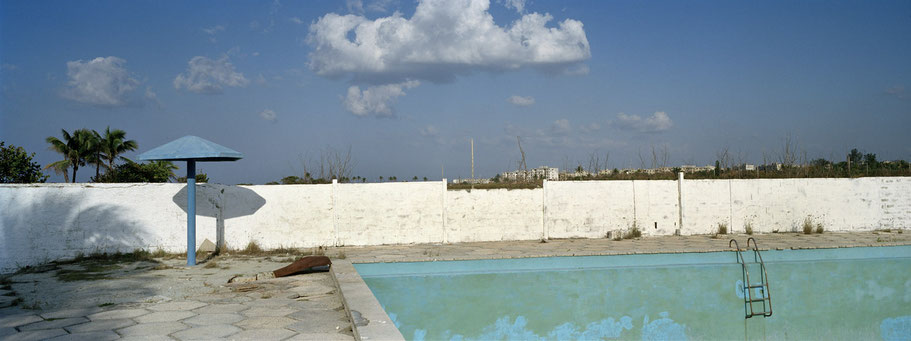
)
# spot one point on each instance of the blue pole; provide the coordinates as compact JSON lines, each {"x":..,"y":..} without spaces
{"x":191,"y":212}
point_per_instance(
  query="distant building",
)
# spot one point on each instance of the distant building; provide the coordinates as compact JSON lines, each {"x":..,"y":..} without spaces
{"x":746,"y":167}
{"x":470,"y":181}
{"x":696,"y":169}
{"x":543,"y":172}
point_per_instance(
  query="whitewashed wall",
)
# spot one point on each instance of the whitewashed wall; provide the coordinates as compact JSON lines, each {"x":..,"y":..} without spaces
{"x":52,"y":221}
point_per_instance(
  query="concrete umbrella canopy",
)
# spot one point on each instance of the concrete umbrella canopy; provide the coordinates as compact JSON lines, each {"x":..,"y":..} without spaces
{"x":191,"y":149}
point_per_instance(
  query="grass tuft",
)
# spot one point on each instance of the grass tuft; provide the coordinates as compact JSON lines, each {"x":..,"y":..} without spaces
{"x":808,"y":225}
{"x":748,"y":227}
{"x":722,"y":228}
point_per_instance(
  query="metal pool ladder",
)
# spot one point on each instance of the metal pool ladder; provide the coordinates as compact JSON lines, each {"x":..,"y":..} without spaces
{"x":765,"y":296}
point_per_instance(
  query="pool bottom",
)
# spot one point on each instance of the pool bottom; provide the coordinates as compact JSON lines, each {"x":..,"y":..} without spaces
{"x":827,"y":298}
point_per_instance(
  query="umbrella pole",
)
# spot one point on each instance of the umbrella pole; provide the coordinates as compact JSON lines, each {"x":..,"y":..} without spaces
{"x":191,"y":212}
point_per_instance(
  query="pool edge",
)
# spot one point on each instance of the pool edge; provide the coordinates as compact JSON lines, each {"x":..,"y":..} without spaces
{"x":356,"y":296}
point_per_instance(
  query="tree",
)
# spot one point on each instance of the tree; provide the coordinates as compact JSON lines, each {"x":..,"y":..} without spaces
{"x":114,"y":143}
{"x":155,"y":171}
{"x":75,"y":149}
{"x":16,"y":166}
{"x":94,"y":156}
{"x":200,"y":178}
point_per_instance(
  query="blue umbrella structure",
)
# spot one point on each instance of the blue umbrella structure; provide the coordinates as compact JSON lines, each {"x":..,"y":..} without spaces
{"x":191,"y":149}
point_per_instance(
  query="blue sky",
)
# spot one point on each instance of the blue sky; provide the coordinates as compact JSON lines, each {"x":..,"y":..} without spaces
{"x":405,"y":84}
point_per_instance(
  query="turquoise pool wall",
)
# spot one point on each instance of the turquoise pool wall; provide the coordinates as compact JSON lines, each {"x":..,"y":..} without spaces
{"x":816,"y":294}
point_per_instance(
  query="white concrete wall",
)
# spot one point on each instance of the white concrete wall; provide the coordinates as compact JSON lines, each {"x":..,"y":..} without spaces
{"x":491,"y":215}
{"x":44,"y":222}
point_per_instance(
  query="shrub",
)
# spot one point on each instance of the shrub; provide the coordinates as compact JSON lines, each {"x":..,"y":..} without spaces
{"x":819,"y":228}
{"x":633,"y":232}
{"x":748,"y":227}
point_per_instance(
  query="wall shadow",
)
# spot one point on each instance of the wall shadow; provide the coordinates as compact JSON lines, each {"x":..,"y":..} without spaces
{"x":42,"y":228}
{"x":221,"y":202}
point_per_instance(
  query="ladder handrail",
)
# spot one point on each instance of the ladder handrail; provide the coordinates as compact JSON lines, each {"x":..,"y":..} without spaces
{"x":764,"y":275}
{"x":745,"y":275}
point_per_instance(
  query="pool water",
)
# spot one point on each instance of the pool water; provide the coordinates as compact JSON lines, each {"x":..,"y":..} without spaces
{"x":830,"y":294}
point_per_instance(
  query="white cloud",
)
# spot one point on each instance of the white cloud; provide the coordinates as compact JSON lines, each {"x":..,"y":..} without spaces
{"x":355,"y":6}
{"x":518,"y":5}
{"x":658,"y":122}
{"x":429,"y":131}
{"x":102,"y":81}
{"x":268,"y":115}
{"x":212,"y":31}
{"x":897,"y":91}
{"x":379,"y":5}
{"x":561,"y":127}
{"x":297,"y":20}
{"x":208,"y":76}
{"x":376,"y":100}
{"x":8,"y":67}
{"x":442,"y":39}
{"x":521,"y":101}
{"x":590,"y":128}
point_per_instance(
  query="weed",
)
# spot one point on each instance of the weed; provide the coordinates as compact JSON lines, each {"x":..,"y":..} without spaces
{"x":341,"y":255}
{"x":252,"y":248}
{"x":722,"y":228}
{"x":819,"y":228}
{"x":633,"y":232}
{"x":211,"y":264}
{"x":808,"y":225}
{"x":748,"y":227}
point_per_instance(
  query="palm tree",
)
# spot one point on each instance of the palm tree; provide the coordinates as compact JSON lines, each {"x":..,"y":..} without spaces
{"x":114,"y":144}
{"x":75,"y":149}
{"x":164,"y":166}
{"x":95,"y":152}
{"x":60,"y":167}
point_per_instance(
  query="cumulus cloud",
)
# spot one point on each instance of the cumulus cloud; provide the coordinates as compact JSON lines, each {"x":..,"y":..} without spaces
{"x":521,"y":101}
{"x":268,"y":115}
{"x":657,"y":122}
{"x":376,"y":100}
{"x":208,"y":76}
{"x":442,"y":39}
{"x":102,"y":81}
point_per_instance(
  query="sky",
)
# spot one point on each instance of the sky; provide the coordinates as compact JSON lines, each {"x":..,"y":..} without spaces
{"x":406,"y":85}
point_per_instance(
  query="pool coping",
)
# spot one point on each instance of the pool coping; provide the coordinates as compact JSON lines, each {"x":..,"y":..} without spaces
{"x":357,"y":297}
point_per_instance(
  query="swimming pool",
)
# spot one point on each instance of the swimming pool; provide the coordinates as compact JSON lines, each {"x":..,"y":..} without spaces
{"x":850,"y":293}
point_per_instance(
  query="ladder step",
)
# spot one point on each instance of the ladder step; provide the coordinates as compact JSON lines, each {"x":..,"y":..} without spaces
{"x":759,"y":300}
{"x":756,"y":286}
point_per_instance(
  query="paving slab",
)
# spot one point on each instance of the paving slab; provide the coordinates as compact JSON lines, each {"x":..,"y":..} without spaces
{"x":266,"y":322}
{"x":4,"y":331}
{"x":53,"y":323}
{"x":35,"y":335}
{"x":178,"y":305}
{"x":321,"y":337}
{"x":268,"y":311}
{"x":7,"y":301}
{"x":152,"y":329}
{"x":19,"y":320}
{"x":100,"y":325}
{"x":164,"y":316}
{"x":118,"y":314}
{"x":74,"y":312}
{"x":212,"y":319}
{"x":208,"y":332}
{"x":91,"y":336}
{"x":147,"y":338}
{"x":263,"y":334}
{"x":221,"y":308}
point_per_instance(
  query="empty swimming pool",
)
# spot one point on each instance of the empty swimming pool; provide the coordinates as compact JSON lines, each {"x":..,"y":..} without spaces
{"x":850,"y":293}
